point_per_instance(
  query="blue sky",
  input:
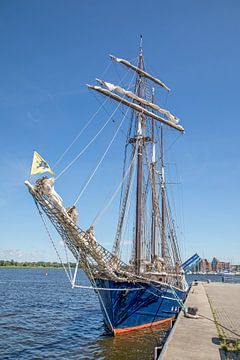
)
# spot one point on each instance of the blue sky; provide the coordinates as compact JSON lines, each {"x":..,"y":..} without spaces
{"x":50,"y":49}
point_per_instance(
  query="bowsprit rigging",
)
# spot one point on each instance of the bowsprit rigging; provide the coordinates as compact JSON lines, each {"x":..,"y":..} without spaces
{"x":148,"y":288}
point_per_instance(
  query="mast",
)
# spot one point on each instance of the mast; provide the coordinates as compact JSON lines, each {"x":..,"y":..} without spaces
{"x":162,"y":197}
{"x":153,"y":227}
{"x":139,"y":143}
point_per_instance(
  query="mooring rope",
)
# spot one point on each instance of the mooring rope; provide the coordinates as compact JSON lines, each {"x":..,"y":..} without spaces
{"x":216,"y":322}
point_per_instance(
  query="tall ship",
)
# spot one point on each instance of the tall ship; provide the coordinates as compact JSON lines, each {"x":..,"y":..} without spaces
{"x":148,"y":288}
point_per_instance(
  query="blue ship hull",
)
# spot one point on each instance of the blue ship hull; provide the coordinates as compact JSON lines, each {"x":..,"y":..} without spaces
{"x":138,"y":305}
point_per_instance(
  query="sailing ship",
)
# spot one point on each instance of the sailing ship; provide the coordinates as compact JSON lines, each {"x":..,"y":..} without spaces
{"x":150,"y":288}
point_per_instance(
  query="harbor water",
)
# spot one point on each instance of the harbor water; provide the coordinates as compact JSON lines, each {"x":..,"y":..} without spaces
{"x":42,"y":317}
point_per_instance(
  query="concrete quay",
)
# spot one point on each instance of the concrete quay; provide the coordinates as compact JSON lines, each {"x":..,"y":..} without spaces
{"x":198,"y":339}
{"x":225,"y":302}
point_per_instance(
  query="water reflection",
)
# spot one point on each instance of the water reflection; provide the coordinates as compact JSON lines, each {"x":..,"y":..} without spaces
{"x":133,"y":345}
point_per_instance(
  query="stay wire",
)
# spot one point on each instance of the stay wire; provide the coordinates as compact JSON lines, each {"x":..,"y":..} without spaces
{"x":85,"y":126}
{"x":98,"y":133}
{"x":100,"y":299}
{"x":124,"y":226}
{"x":101,"y":212}
{"x":80,"y":133}
{"x":87,"y":146}
{"x":101,"y":160}
{"x":69,"y":276}
{"x":108,"y":112}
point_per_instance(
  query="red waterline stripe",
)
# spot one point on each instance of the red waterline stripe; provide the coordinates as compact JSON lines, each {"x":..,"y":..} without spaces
{"x":144,"y":326}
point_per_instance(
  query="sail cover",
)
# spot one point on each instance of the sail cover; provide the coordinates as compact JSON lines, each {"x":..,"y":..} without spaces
{"x":130,"y":94}
{"x":135,"y":106}
{"x":140,"y":71}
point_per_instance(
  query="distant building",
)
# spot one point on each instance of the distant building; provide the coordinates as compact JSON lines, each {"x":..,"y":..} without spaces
{"x":225,"y":265}
{"x":205,"y":266}
{"x":218,"y":265}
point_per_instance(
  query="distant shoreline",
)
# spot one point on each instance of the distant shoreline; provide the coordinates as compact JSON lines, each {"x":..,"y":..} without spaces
{"x":32,"y":267}
{"x":11,"y":264}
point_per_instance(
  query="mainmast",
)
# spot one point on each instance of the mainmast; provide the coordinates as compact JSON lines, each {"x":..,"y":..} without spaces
{"x":162,"y":197}
{"x":153,"y":227}
{"x":139,"y":144}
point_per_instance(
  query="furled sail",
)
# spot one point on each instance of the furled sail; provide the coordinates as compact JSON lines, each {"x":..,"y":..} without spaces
{"x":140,"y":71}
{"x":136,"y":107}
{"x":133,"y":96}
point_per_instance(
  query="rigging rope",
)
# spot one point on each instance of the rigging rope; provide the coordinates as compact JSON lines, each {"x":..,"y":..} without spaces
{"x":108,"y":289}
{"x":124,"y":225}
{"x":101,"y":212}
{"x":109,"y":119}
{"x":108,"y":112}
{"x":69,"y":276}
{"x":87,"y":146}
{"x":217,"y":323}
{"x":123,"y":203}
{"x":69,"y":267}
{"x":80,"y":133}
{"x":101,"y":160}
{"x":86,"y":125}
{"x":100,"y":299}
{"x":92,"y":278}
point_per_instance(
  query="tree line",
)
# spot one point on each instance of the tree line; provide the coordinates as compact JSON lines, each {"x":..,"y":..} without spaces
{"x":32,"y":264}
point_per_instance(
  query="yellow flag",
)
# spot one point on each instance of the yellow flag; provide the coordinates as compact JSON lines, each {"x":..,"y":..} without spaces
{"x":39,"y":165}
